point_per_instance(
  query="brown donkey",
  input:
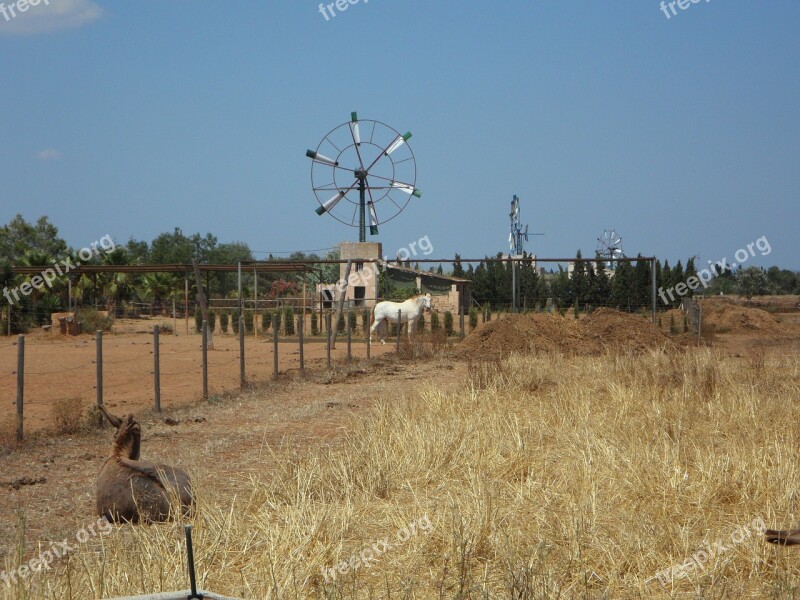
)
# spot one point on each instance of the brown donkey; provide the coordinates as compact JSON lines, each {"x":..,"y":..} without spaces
{"x":134,"y":490}
{"x":786,"y":537}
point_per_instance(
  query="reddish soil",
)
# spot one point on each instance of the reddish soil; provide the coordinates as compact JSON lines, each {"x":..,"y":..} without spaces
{"x":59,"y":367}
{"x":726,"y":317}
{"x":539,"y":332}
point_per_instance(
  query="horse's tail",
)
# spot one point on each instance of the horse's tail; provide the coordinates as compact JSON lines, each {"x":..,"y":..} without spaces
{"x":372,"y":317}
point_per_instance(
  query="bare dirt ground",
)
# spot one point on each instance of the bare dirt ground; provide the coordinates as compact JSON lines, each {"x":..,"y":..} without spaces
{"x":48,"y":482}
{"x":59,"y":367}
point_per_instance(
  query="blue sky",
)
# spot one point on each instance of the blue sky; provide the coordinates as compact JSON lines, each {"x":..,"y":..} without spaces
{"x":683,"y":134}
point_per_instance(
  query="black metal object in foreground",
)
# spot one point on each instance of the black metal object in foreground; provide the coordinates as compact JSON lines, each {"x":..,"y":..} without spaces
{"x":193,"y":595}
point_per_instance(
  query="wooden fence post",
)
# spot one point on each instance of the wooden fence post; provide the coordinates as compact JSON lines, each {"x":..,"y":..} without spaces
{"x":99,"y":362}
{"x":242,"y":376}
{"x":205,"y":360}
{"x":157,"y":367}
{"x":369,"y":342}
{"x":20,"y":383}
{"x":328,"y":342}
{"x":275,"y":344}
{"x":300,"y":337}
{"x":349,"y":338}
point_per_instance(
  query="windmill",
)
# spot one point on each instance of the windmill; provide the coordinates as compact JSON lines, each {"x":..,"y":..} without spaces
{"x":360,"y":159}
{"x":516,"y":237}
{"x":609,"y":247}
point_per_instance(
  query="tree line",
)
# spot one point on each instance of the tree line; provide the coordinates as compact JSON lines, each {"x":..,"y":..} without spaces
{"x":623,"y":285}
{"x":39,"y":244}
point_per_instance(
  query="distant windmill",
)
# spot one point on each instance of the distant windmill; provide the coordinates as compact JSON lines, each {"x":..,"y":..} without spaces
{"x":516,"y":238}
{"x":609,"y":247}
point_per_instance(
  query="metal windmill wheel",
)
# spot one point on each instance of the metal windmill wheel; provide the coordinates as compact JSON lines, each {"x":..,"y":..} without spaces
{"x":363,"y":167}
{"x":609,"y":246}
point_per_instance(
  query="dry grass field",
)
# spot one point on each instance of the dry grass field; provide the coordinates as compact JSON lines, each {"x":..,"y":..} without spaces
{"x":609,"y":474}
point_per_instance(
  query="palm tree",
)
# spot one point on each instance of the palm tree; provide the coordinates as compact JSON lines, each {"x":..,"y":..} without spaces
{"x":117,"y":288}
{"x":156,"y":287}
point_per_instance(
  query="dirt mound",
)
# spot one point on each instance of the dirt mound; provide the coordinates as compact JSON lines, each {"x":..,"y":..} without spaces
{"x":623,"y":330}
{"x":730,"y":318}
{"x":540,"y":332}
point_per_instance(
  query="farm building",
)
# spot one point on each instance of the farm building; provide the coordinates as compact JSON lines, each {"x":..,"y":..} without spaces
{"x":449,"y":293}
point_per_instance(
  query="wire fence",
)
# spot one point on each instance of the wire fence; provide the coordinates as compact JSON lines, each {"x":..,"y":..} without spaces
{"x":151,"y":369}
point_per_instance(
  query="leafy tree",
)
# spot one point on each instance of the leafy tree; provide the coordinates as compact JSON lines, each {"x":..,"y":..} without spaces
{"x":752,"y":281}
{"x":600,"y":294}
{"x":622,"y":286}
{"x":642,"y":287}
{"x":691,"y":271}
{"x":156,"y":287}
{"x":560,"y":288}
{"x":579,"y":283}
{"x":19,"y":237}
{"x":458,"y":269}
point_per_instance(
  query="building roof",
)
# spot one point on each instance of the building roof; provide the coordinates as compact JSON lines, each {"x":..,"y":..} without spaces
{"x":402,"y":269}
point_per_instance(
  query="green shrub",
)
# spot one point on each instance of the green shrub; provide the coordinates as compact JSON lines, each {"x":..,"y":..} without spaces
{"x":198,"y":319}
{"x":92,"y":320}
{"x":351,"y":321}
{"x":314,"y":324}
{"x":235,"y":322}
{"x":288,"y":314}
{"x":340,"y":325}
{"x":421,"y":322}
{"x":448,"y":323}
{"x":488,"y":312}
{"x":672,"y":328}
{"x":277,"y":323}
{"x":249,"y":317}
{"x":223,"y":321}
{"x":434,"y":321}
{"x":212,"y":320}
{"x":473,"y":318}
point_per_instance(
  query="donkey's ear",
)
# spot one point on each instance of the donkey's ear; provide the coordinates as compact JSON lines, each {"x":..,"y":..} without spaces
{"x":115,"y":421}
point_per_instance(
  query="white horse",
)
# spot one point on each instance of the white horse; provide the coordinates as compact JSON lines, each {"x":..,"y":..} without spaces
{"x":409,"y":311}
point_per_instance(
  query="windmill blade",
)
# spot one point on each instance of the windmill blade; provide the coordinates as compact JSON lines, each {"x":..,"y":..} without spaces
{"x":408,"y":189}
{"x":356,"y":137}
{"x":399,"y":141}
{"x":320,"y":158}
{"x":373,"y":219}
{"x":354,"y":129}
{"x":330,"y":204}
